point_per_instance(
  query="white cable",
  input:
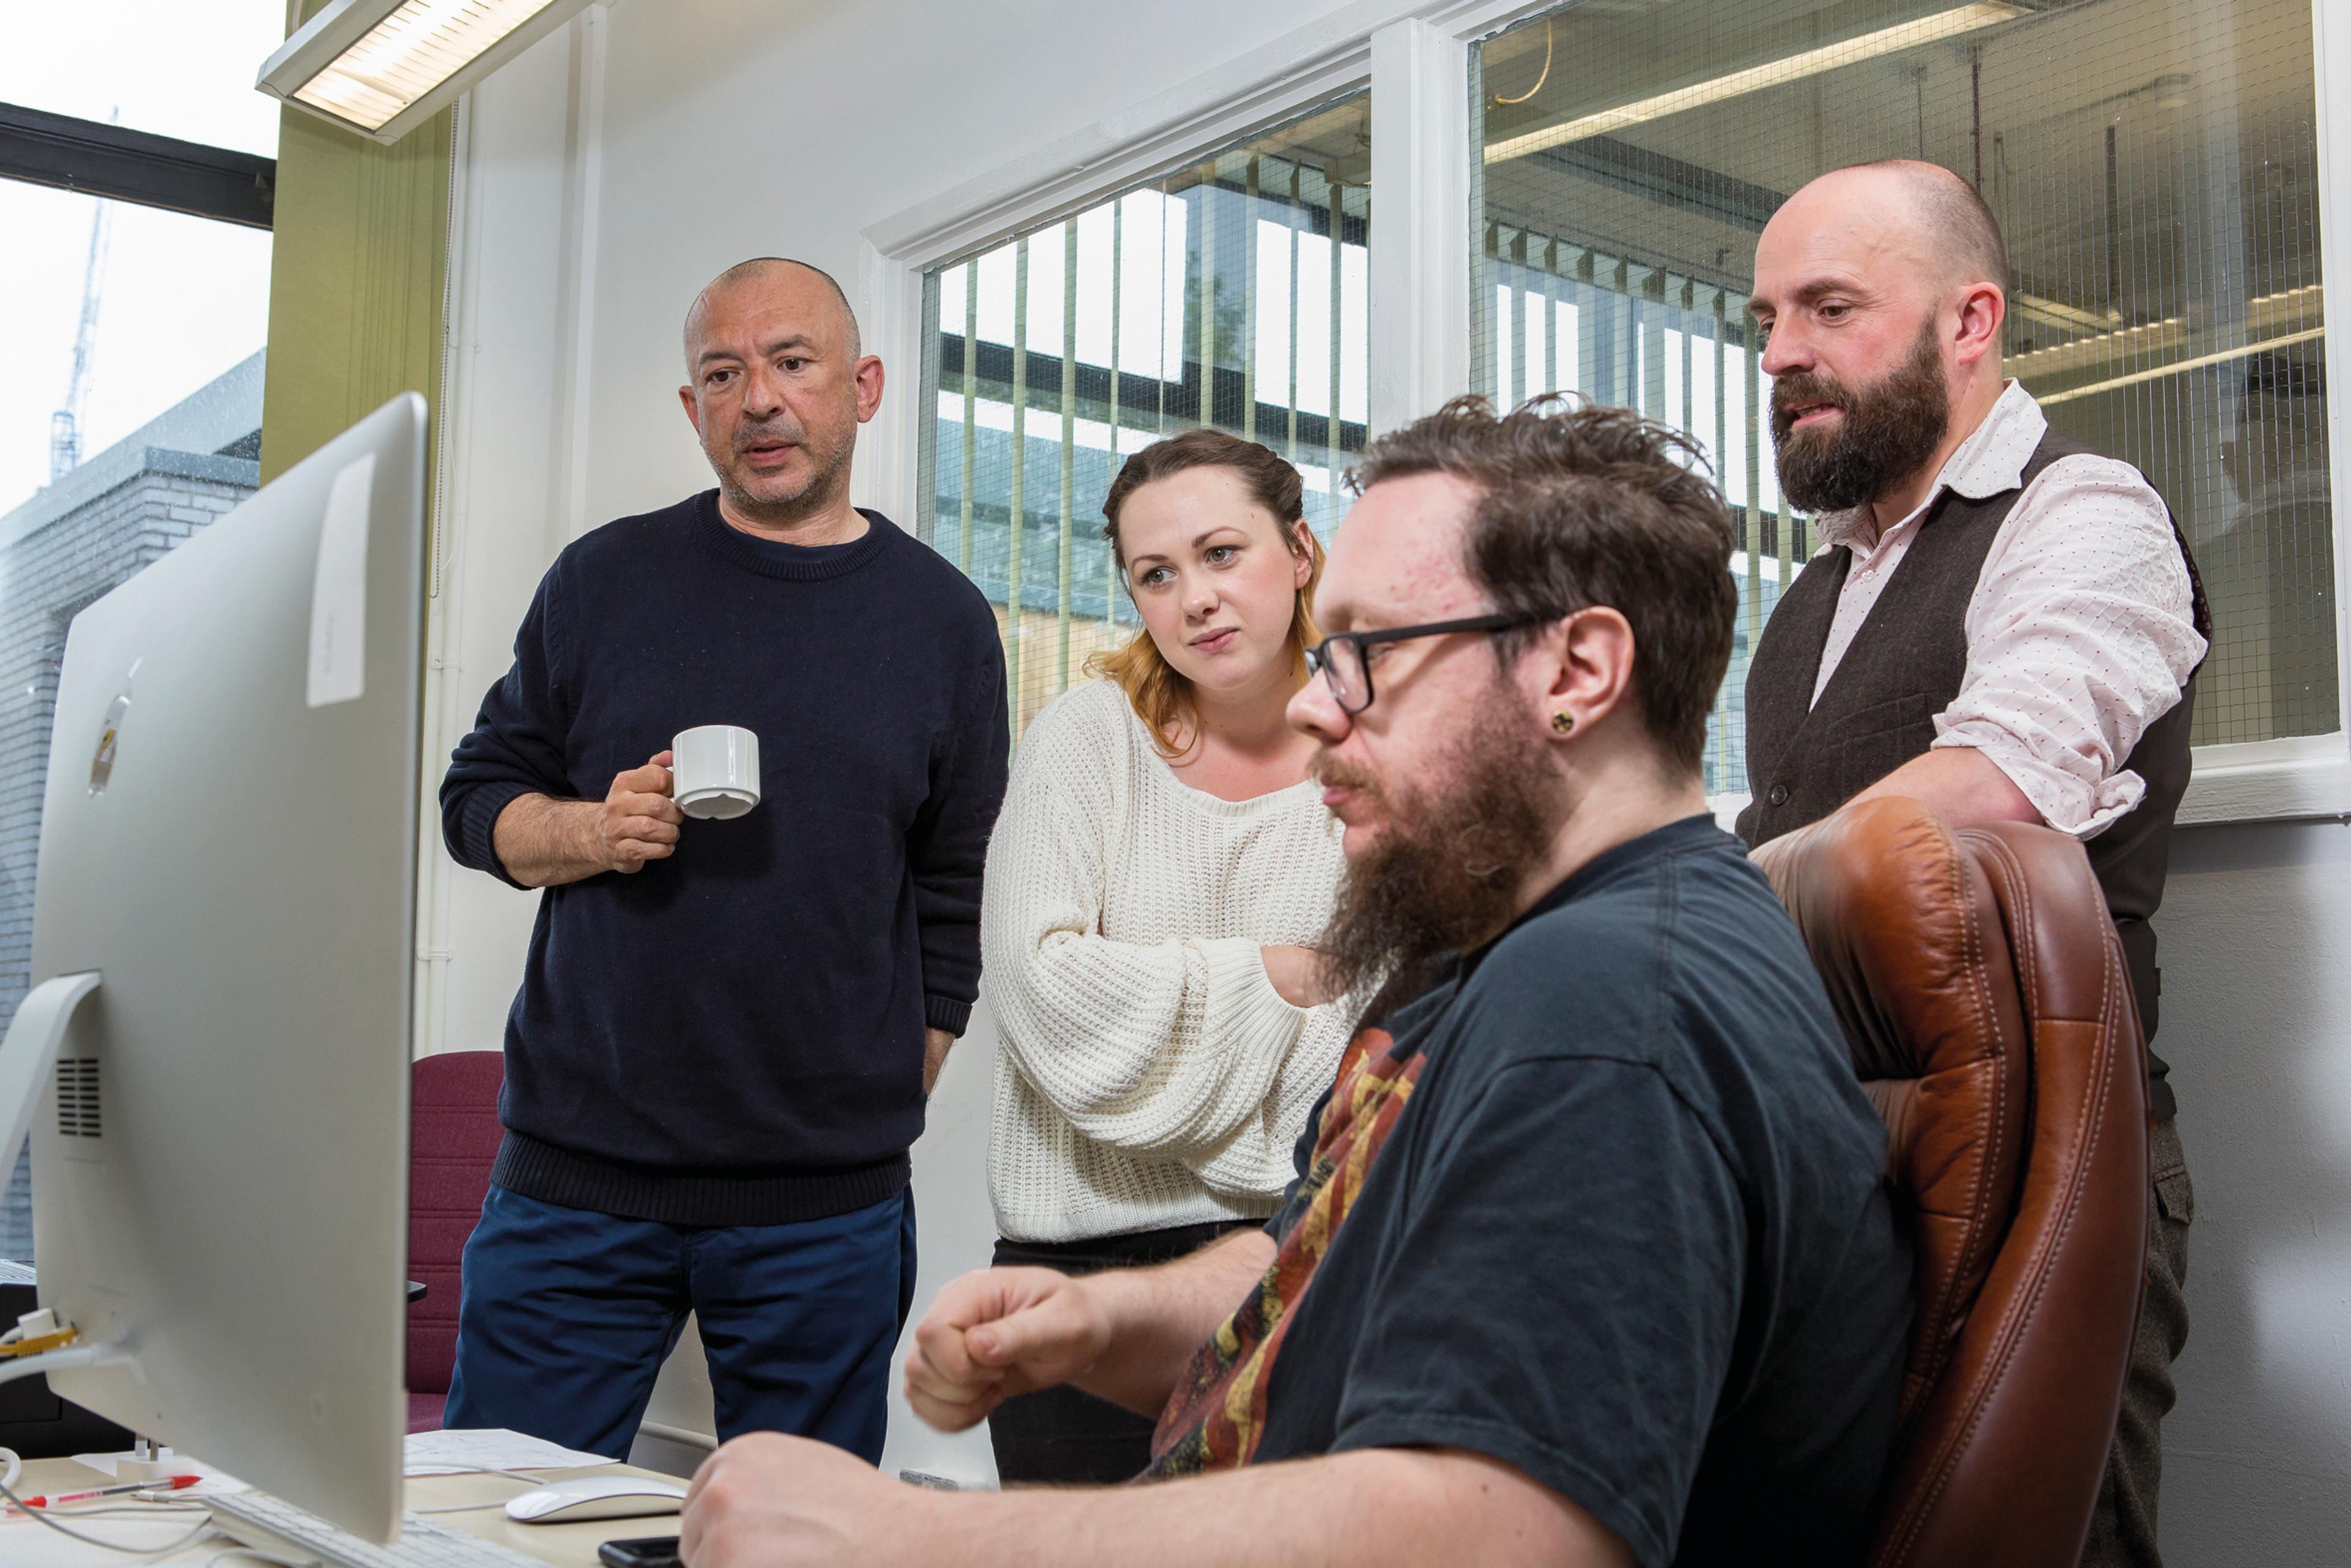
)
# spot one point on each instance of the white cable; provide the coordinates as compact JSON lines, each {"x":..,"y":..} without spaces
{"x":13,"y":1367}
{"x":14,"y":1469}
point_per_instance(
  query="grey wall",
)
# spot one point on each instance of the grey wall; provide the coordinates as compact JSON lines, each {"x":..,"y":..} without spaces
{"x":2257,"y":1027}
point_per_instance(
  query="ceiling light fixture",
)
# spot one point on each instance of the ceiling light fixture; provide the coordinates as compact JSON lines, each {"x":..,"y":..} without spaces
{"x":382,"y":67}
{"x":1911,"y":35}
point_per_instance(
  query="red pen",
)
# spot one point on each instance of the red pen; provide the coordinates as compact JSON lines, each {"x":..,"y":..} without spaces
{"x":166,"y":1483}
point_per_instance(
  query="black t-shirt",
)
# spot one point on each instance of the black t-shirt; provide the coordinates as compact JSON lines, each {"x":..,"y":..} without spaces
{"x":1630,"y":1234}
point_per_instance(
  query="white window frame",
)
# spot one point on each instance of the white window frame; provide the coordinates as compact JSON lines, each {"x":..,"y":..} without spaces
{"x":2307,"y":776}
{"x":1415,"y":58}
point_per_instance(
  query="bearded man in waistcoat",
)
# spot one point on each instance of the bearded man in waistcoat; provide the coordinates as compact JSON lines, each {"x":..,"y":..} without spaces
{"x":1999,"y":622}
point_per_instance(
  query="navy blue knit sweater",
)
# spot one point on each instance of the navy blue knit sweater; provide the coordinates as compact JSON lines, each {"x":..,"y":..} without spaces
{"x":734,"y":1035}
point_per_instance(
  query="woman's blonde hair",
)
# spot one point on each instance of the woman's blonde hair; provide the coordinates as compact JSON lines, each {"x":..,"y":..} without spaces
{"x":1161,"y":696}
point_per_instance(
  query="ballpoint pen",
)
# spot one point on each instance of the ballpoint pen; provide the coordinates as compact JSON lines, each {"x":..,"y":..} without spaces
{"x":162,"y":1483}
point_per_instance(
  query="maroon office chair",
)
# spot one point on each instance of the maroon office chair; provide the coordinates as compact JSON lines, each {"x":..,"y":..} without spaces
{"x":1983,"y":993}
{"x":453,"y":1141}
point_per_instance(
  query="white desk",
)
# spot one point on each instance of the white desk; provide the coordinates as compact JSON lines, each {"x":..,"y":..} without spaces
{"x":560,"y":1545}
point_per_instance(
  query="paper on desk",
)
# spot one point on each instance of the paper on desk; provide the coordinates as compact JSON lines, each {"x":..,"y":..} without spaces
{"x":218,"y":1482}
{"x":454,"y":1453}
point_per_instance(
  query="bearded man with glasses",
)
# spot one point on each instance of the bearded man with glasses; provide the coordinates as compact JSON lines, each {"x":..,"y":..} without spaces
{"x":1603,"y":1267}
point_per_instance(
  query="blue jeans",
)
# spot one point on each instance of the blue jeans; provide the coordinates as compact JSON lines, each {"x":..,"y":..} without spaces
{"x":567,"y":1316}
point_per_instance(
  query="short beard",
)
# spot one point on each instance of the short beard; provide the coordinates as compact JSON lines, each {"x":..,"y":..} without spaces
{"x":1888,"y":432}
{"x":1446,"y":872}
{"x":820,"y":495}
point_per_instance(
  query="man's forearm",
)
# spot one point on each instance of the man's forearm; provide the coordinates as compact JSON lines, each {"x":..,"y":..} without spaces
{"x":1965,"y":788}
{"x":1160,"y":1316}
{"x":1371,"y":1507}
{"x":545,"y":843}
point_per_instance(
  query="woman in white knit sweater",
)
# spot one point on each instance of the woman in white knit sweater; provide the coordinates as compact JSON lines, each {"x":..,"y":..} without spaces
{"x":1161,"y":862}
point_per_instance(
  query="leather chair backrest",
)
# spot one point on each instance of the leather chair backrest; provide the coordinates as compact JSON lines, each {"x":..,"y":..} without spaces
{"x":1983,"y":992}
{"x":454,"y":1136}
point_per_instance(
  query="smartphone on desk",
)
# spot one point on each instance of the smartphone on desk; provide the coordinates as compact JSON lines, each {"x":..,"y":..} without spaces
{"x":641,"y":1552}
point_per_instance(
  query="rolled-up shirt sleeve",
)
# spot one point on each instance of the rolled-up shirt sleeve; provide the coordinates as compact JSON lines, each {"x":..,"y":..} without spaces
{"x":2081,"y":634}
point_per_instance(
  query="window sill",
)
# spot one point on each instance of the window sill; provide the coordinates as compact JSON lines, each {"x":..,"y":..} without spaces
{"x":2265,"y":781}
{"x":2269,"y":780}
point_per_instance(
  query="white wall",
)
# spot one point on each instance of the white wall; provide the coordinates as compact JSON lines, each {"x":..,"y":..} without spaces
{"x":2256,"y":993}
{"x":739,"y":128}
{"x":732,"y":128}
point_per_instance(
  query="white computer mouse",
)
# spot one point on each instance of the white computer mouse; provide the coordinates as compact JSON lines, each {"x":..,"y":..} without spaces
{"x":597,"y":1497}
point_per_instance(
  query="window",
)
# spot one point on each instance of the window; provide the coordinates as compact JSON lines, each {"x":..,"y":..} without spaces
{"x":1231,"y":293}
{"x":163,"y":66}
{"x":131,"y":415}
{"x":2154,"y":166}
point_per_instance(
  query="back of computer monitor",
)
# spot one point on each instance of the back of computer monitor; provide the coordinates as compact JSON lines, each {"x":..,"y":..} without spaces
{"x":220,"y":1163}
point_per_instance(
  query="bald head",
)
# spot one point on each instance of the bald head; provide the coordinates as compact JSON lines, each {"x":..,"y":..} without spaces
{"x":763,"y":269}
{"x":1920,"y":210}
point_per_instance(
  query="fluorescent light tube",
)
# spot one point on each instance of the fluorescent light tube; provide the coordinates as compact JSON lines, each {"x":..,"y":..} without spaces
{"x":382,"y":67}
{"x":1890,"y":40}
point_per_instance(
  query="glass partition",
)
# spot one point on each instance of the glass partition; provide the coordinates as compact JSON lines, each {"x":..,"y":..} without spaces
{"x":2154,"y":166}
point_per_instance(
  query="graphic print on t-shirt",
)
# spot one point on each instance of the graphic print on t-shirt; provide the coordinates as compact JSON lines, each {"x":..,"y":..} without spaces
{"x":1216,"y":1418}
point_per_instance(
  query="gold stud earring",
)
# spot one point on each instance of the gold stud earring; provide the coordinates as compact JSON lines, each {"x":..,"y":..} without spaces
{"x":1562,"y":723}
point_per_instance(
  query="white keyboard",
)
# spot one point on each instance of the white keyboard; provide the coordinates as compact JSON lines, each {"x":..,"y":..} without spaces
{"x":422,"y":1544}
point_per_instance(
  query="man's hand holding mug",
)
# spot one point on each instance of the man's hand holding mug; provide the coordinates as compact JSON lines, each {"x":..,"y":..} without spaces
{"x":639,"y":820}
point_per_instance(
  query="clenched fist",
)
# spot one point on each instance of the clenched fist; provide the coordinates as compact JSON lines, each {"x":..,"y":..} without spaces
{"x":998,"y":1332}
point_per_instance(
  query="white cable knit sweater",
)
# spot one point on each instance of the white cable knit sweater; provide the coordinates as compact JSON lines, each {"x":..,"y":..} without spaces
{"x":1150,"y":1075}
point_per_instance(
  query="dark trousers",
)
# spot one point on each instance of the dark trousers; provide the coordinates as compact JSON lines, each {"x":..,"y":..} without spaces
{"x":1065,"y":1436}
{"x":567,"y":1315}
{"x":2122,"y":1528}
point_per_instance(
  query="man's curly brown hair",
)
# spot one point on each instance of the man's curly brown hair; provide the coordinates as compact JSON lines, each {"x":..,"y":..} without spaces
{"x":1581,"y":506}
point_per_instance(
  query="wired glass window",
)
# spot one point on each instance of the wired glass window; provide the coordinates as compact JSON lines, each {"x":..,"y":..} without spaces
{"x":1231,"y":293}
{"x":2154,"y":167}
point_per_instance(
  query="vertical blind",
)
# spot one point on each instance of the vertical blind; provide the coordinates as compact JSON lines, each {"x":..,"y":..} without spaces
{"x":2154,"y":167}
{"x":1569,"y":317}
{"x":1231,"y":293}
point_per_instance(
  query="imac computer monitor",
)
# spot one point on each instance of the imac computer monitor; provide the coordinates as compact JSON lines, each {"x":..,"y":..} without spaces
{"x":228,"y":844}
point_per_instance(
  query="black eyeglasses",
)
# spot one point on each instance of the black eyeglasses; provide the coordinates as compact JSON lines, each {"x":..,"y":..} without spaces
{"x":1340,"y":660}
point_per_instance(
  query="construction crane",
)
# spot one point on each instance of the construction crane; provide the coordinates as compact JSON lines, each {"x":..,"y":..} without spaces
{"x":65,"y":425}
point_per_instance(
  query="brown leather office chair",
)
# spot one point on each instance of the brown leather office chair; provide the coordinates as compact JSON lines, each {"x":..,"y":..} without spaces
{"x":1981,"y":987}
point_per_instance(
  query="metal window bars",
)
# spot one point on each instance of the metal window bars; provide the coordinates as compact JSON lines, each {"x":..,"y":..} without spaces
{"x":1232,"y":293}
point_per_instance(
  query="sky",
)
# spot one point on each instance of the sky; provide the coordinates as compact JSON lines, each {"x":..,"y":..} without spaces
{"x":182,"y":299}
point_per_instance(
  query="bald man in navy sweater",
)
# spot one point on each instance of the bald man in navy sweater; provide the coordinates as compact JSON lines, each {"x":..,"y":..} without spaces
{"x":726,"y":1030}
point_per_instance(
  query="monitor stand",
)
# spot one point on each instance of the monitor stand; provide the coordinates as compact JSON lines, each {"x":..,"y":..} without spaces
{"x":148,"y":1461}
{"x":30,"y":1045}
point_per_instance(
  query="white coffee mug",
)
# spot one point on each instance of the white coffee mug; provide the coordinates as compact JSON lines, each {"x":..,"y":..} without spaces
{"x":716,"y":766}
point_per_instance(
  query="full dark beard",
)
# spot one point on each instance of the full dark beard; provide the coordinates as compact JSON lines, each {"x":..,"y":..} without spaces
{"x":1888,"y":431}
{"x":1444,"y":874}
